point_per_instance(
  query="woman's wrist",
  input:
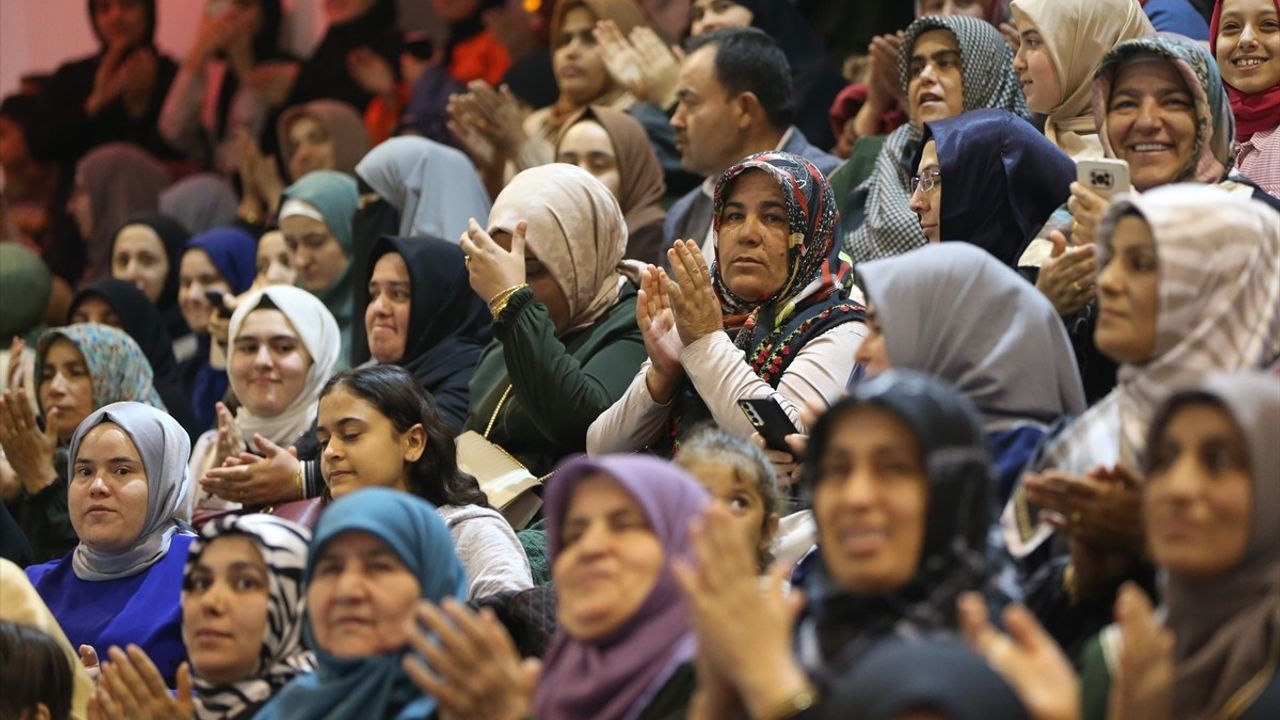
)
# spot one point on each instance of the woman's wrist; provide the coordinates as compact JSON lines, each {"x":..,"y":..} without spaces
{"x":776,"y":690}
{"x":661,"y":386}
{"x":36,"y":481}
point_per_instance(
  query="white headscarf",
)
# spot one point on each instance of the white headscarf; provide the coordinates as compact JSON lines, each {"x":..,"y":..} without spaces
{"x":320,"y":336}
{"x":164,"y":448}
{"x":434,"y":186}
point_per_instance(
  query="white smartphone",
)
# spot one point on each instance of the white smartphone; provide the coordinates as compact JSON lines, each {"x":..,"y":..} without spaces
{"x":1105,"y":176}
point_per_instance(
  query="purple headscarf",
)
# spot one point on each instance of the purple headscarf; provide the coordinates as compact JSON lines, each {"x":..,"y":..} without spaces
{"x":607,"y":678}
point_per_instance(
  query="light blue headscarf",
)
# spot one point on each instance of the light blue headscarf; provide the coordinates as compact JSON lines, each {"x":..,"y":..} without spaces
{"x":376,"y":686}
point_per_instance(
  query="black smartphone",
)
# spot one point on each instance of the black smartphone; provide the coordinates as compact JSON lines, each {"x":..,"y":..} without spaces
{"x":215,"y":299}
{"x":771,"y":421}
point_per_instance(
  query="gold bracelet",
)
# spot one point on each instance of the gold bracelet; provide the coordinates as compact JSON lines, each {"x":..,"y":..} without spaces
{"x":499,"y":301}
{"x":793,"y":705}
{"x":300,"y":480}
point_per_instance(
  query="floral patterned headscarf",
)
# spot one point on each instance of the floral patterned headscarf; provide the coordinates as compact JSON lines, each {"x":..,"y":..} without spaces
{"x":118,"y":370}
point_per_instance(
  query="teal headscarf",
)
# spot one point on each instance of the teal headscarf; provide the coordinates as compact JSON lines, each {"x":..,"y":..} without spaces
{"x":335,"y":195}
{"x":376,"y":686}
{"x":118,"y":371}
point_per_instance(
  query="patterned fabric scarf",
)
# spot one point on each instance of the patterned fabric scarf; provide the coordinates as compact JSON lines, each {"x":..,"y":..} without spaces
{"x":986,"y":64}
{"x":118,"y":370}
{"x":283,"y":546}
{"x":1214,"y":150}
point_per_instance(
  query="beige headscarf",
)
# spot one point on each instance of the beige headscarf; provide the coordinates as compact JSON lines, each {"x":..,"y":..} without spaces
{"x":575,"y":228}
{"x":341,"y":122}
{"x":1077,"y":33}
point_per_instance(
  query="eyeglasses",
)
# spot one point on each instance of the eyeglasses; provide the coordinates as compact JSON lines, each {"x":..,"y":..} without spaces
{"x":930,"y":180}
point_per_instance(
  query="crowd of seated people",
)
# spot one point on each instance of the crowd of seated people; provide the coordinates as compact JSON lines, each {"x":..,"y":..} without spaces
{"x":644,"y":360}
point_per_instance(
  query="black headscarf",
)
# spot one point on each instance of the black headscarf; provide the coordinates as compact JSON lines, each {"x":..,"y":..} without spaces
{"x":815,"y":78}
{"x":143,"y":322}
{"x":449,"y":325}
{"x":958,"y":513}
{"x":174,"y":237}
{"x":900,"y":676}
{"x":999,"y":212}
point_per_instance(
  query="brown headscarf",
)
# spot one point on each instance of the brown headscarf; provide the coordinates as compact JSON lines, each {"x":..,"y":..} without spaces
{"x":122,"y":180}
{"x":1227,"y":630}
{"x":642,"y":185}
{"x":575,"y":228}
{"x":340,"y":120}
{"x":626,"y":14}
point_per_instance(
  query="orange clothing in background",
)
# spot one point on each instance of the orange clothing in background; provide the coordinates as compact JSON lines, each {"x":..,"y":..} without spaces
{"x":479,"y":57}
{"x":381,"y":119}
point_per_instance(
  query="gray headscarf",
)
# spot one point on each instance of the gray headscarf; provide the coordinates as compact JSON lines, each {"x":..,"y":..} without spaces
{"x":434,"y":186}
{"x":986,"y":62}
{"x":165,"y":449}
{"x":956,"y":312}
{"x":200,"y":202}
{"x":1227,"y":630}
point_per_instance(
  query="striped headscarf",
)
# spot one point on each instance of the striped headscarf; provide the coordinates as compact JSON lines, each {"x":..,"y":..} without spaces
{"x":986,"y":63}
{"x":283,"y":546}
{"x":118,"y":370}
{"x":1214,"y":151}
{"x":1218,"y":309}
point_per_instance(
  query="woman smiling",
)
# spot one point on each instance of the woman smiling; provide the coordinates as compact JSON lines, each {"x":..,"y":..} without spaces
{"x":1245,"y":38}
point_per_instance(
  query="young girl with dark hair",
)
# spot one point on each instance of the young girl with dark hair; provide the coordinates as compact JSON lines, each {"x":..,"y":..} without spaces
{"x":378,"y":427}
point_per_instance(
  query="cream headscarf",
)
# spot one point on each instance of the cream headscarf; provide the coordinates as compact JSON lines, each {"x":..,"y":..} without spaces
{"x":318,"y":332}
{"x":1077,"y":33}
{"x":575,"y":228}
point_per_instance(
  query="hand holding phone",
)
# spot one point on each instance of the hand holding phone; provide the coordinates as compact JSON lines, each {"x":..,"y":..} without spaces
{"x":771,"y":421}
{"x":1104,"y":176}
{"x":219,"y":304}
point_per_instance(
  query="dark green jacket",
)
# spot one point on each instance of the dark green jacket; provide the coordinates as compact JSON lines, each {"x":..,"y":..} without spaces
{"x":44,"y":518}
{"x":559,"y":385}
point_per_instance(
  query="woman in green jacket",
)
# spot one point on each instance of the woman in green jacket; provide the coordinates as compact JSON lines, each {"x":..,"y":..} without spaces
{"x":565,"y":341}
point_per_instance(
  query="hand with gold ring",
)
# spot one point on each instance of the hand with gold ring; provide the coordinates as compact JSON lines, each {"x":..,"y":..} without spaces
{"x":1067,"y":278}
{"x":491,"y":265}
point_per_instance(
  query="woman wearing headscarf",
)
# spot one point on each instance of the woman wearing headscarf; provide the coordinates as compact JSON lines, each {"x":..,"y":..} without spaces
{"x":860,"y":593}
{"x":119,"y":304}
{"x":200,"y":202}
{"x":1003,"y":182}
{"x":361,"y":674}
{"x":321,"y":135}
{"x":1062,"y":43}
{"x":1172,"y":309}
{"x":286,"y":335}
{"x":316,"y":217}
{"x":565,"y":337}
{"x":121,"y":584}
{"x":116,"y":94}
{"x":770,"y":319}
{"x":223,"y":260}
{"x":418,"y":312}
{"x":147,"y":251}
{"x":613,"y":146}
{"x":112,"y":183}
{"x":486,"y":117}
{"x":624,"y":645}
{"x":1209,"y":500}
{"x":1004,"y":347}
{"x":1245,"y":38}
{"x":242,"y":608}
{"x":423,"y":189}
{"x":79,"y":368}
{"x":229,"y":82}
{"x":947,"y":65}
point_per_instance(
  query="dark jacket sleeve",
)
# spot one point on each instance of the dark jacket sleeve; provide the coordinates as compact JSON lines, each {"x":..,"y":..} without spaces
{"x":563,"y":394}
{"x":45,"y":520}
